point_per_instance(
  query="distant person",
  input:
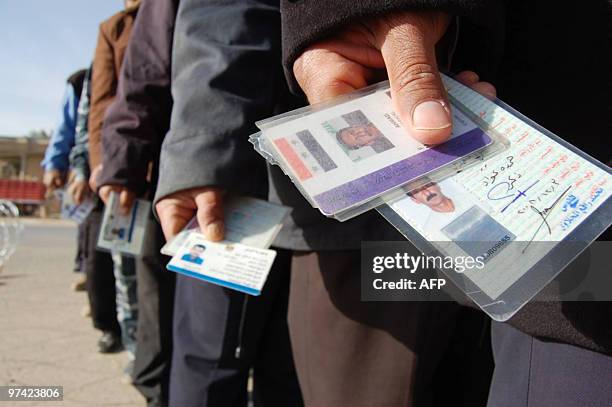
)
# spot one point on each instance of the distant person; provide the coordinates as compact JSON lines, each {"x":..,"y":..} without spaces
{"x":194,"y":255}
{"x":113,"y":39}
{"x":97,"y":264}
{"x":134,"y":127}
{"x":56,"y":164}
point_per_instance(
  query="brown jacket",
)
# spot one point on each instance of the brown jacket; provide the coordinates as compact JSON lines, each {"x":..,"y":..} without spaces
{"x":112,"y":42}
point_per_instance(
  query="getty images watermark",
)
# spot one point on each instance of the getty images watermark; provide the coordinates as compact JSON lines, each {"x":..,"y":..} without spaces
{"x":411,"y":264}
{"x":398,"y":271}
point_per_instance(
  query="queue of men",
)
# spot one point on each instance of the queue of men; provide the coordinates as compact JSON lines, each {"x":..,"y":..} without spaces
{"x":174,"y":91}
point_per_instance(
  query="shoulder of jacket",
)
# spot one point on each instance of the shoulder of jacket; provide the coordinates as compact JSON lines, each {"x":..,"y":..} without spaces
{"x":113,"y":25}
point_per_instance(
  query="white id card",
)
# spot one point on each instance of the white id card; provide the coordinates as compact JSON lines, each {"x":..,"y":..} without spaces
{"x":124,"y":233}
{"x":248,"y":221}
{"x":232,"y":265}
{"x":72,"y":210}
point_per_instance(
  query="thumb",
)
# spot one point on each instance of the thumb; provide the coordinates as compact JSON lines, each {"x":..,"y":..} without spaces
{"x":126,"y":199}
{"x":419,"y":98}
{"x":210,"y":214}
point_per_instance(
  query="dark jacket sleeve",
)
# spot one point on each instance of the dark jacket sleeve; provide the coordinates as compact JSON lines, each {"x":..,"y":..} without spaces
{"x":226,"y":65}
{"x":138,"y":119}
{"x":305,"y":22}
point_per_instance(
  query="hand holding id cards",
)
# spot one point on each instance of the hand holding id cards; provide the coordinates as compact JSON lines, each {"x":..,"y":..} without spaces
{"x":525,"y":214}
{"x":248,"y":221}
{"x":124,"y":232}
{"x":242,"y":261}
{"x":346,"y":154}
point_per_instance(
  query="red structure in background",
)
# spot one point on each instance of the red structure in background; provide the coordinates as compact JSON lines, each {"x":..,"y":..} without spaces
{"x":22,"y":192}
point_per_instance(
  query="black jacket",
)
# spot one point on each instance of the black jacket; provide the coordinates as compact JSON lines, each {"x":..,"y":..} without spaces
{"x":551,"y":60}
{"x":136,"y":122}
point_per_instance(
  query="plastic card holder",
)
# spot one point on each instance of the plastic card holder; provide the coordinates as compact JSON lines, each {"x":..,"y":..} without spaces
{"x":524,"y":214}
{"x":352,"y":154}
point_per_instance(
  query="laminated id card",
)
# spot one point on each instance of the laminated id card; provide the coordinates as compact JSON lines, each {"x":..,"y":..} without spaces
{"x":72,"y":210}
{"x":345,"y":155}
{"x":523,"y":215}
{"x":124,"y":232}
{"x":232,"y":265}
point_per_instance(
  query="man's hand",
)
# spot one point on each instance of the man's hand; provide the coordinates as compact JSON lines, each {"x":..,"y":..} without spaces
{"x":54,"y":179}
{"x":93,"y":178}
{"x":404,"y":44}
{"x":126,"y":197}
{"x":78,"y":189}
{"x":177,"y":209}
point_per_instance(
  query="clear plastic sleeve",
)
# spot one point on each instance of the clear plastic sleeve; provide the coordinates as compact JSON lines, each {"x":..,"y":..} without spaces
{"x":529,"y":212}
{"x":350,"y":155}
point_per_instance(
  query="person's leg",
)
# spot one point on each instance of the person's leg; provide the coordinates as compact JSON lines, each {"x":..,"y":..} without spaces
{"x":353,"y":353}
{"x":205,"y":371}
{"x":78,"y":258}
{"x":531,"y":372}
{"x":220,"y":334}
{"x":275,"y":380}
{"x":79,"y":284}
{"x":124,"y":269}
{"x":155,"y":306}
{"x":100,"y":280}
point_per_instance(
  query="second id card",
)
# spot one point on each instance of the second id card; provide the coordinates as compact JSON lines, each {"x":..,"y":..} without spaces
{"x":232,"y":265}
{"x":512,"y":210}
{"x":124,"y":232}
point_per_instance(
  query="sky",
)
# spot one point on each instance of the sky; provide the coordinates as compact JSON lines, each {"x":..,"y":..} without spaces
{"x":41,"y":43}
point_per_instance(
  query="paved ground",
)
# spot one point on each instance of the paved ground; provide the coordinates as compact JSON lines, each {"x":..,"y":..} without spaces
{"x":44,"y":340}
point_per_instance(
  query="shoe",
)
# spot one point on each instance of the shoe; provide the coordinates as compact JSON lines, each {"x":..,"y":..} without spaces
{"x":80,"y":284}
{"x":109,"y":342}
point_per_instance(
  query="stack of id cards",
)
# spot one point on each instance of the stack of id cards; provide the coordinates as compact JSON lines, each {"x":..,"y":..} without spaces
{"x":124,"y":232}
{"x":346,"y":155}
{"x":242,"y":261}
{"x":524,"y":214}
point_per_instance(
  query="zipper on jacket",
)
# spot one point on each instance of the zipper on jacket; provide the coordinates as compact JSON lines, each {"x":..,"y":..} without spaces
{"x":238,"y":350}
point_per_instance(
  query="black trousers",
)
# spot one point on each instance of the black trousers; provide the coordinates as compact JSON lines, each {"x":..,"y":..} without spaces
{"x":155,"y":304}
{"x":79,"y":257}
{"x":220,"y":334}
{"x":100,"y":278}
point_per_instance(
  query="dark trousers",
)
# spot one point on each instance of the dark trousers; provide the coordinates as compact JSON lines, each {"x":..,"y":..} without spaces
{"x":535,"y":373}
{"x":100,"y":277}
{"x":353,"y":353}
{"x":155,"y":287}
{"x":80,"y":253}
{"x":220,"y":334}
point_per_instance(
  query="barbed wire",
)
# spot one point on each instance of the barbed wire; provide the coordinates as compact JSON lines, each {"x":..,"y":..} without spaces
{"x":10,"y":230}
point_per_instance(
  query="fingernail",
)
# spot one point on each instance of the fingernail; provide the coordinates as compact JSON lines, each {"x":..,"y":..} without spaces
{"x":214,"y":231}
{"x":431,"y":115}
